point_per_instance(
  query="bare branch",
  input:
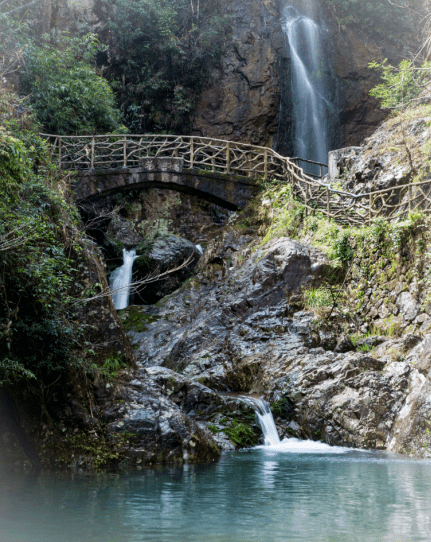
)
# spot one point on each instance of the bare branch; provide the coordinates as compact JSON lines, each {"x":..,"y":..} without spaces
{"x":18,"y":8}
{"x":155,"y":276}
{"x":99,"y":215}
{"x":16,"y":237}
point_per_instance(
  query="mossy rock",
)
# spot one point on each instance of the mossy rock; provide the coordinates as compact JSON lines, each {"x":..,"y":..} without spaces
{"x":135,"y":319}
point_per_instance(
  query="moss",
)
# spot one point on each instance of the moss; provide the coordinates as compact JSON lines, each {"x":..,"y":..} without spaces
{"x":137,"y":320}
{"x":280,"y":408}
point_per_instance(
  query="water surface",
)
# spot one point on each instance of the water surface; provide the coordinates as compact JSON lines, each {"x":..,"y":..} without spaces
{"x":260,"y":495}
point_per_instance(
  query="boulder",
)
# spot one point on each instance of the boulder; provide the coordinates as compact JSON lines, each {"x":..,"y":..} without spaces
{"x":408,"y":306}
{"x":161,"y":255}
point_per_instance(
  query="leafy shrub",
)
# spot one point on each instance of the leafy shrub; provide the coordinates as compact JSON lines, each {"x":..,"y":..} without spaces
{"x":67,"y":94}
{"x":401,"y":84}
{"x":241,"y":434}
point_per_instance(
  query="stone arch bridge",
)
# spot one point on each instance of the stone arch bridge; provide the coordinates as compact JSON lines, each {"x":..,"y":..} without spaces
{"x":224,"y":172}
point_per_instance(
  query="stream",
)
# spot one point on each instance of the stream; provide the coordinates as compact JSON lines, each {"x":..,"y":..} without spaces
{"x":257,"y":495}
{"x":282,"y":491}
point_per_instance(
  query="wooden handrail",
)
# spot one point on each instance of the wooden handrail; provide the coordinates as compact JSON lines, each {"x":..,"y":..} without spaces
{"x":74,"y":153}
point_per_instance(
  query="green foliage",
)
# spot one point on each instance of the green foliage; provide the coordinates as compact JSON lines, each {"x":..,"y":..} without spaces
{"x":401,"y":84}
{"x":37,"y":331}
{"x":241,"y":434}
{"x":279,"y":408}
{"x":214,"y":429}
{"x":318,"y":298}
{"x":135,"y":319}
{"x":112,"y":366}
{"x":378,"y":17}
{"x":102,"y":449}
{"x":168,"y":50}
{"x":67,"y":94}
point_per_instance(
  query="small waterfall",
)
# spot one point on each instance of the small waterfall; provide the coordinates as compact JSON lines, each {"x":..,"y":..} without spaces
{"x":264,"y":418}
{"x":121,"y":279}
{"x":313,"y":112}
{"x":287,"y":445}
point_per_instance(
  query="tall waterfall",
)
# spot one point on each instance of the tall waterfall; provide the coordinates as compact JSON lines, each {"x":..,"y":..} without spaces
{"x":121,"y":279}
{"x":313,"y":112}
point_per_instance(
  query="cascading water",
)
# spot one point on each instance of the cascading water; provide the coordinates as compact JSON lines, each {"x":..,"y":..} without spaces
{"x":311,"y":82}
{"x":264,"y":418}
{"x":121,"y":279}
{"x":270,"y":433}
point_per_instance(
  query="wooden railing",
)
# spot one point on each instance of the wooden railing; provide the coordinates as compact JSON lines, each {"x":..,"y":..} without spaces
{"x":73,"y":153}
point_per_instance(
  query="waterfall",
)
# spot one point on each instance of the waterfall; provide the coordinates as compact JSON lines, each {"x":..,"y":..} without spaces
{"x":121,"y":279}
{"x":264,"y":418}
{"x":287,"y":445}
{"x":313,"y":110}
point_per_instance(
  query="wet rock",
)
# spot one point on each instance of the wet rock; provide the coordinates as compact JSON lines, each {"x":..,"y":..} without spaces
{"x":396,"y":348}
{"x":161,"y":431}
{"x":371,"y":342}
{"x":162,"y":255}
{"x":121,"y":234}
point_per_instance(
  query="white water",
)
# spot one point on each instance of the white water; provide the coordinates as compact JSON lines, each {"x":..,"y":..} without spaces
{"x":121,"y":279}
{"x":311,"y":98}
{"x":287,"y":445}
{"x":264,"y":418}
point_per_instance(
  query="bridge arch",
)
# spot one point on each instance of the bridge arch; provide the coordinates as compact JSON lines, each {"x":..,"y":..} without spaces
{"x":229,"y":191}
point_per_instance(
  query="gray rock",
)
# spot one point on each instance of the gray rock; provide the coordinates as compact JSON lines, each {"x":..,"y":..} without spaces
{"x":163,"y":254}
{"x":408,"y":306}
{"x":344,"y":344}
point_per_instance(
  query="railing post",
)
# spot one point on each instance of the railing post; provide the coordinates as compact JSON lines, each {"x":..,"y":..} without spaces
{"x":59,"y":152}
{"x":93,"y":144}
{"x":228,"y":157}
{"x":125,"y":151}
{"x":265,"y":164}
{"x":410,"y":199}
{"x":306,"y":199}
{"x":370,"y":207}
{"x":192,"y":152}
{"x":328,"y":203}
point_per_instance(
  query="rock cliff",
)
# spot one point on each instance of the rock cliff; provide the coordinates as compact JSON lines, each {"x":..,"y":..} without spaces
{"x":248,"y":96}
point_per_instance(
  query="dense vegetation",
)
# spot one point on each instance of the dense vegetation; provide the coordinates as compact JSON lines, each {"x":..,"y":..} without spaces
{"x":168,"y":49}
{"x":36,"y":221}
{"x":379,"y":17}
{"x":401,"y":85}
{"x":67,"y":93}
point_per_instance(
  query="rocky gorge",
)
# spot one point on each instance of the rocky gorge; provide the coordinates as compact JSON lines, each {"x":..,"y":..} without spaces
{"x":328,"y":323}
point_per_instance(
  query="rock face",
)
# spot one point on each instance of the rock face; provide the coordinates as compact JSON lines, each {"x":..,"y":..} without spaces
{"x":244,"y":100}
{"x":166,"y":253}
{"x":248,"y":97}
{"x":234,"y":329}
{"x":393,"y":155}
